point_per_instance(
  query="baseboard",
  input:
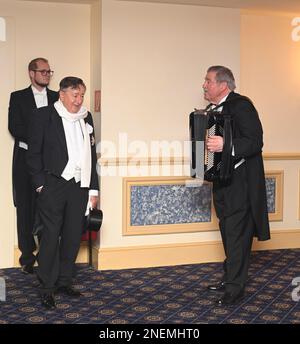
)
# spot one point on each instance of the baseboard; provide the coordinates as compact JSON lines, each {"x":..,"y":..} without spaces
{"x":173,"y":254}
{"x":83,"y":255}
{"x":190,"y":253}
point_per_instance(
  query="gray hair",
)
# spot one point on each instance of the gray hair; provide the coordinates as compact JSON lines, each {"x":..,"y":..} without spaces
{"x":71,"y":81}
{"x":223,"y":74}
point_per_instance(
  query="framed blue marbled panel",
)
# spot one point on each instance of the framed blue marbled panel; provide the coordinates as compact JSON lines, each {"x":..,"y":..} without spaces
{"x":166,"y":205}
{"x":271,"y":194}
{"x":169,"y":204}
{"x":274,"y":188}
{"x":157,"y":205}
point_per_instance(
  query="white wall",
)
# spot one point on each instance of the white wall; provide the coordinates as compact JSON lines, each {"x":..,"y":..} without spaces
{"x":270,"y":75}
{"x":59,"y":32}
{"x":154,"y":59}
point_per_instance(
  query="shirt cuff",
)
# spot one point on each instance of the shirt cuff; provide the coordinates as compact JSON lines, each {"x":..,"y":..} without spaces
{"x":93,"y":192}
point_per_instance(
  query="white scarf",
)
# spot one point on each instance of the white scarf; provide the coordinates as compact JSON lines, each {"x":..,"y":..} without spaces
{"x":86,"y":163}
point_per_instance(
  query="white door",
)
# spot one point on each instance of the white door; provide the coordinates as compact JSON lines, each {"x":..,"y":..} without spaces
{"x":7,"y":83}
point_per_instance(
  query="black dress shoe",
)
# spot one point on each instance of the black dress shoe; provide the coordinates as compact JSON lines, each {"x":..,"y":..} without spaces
{"x":27,"y":269}
{"x":217,"y":287}
{"x":67,"y":290}
{"x":230,"y":298}
{"x":47,"y":300}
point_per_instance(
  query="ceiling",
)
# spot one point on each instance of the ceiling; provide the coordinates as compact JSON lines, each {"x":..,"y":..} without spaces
{"x":87,"y":2}
{"x":262,"y":5}
{"x":292,"y":6}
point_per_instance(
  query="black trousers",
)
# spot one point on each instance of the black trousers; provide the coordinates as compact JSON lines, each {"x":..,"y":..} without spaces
{"x":61,"y":206}
{"x":25,"y":197}
{"x":237,"y":228}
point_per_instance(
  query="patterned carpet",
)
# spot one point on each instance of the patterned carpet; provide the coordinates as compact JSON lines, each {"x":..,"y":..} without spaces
{"x":164,"y":295}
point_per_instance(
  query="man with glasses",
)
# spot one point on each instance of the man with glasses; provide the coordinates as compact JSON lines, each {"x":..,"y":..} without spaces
{"x":21,"y":105}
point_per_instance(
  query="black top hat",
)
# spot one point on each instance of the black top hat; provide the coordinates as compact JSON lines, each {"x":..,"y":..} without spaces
{"x":94,"y":220}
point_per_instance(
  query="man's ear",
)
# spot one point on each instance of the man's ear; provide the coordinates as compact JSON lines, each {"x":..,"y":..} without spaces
{"x":224,"y":85}
{"x":31,"y":74}
{"x":61,"y":95}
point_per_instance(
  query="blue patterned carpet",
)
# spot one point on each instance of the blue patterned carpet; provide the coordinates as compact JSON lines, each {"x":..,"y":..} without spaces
{"x":164,"y":295}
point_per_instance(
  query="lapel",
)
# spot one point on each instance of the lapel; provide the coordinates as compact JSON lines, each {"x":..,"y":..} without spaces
{"x":30,"y":101}
{"x":52,"y":96}
{"x":226,"y":107}
{"x":91,"y":135}
{"x":87,"y":122}
{"x":59,"y":128}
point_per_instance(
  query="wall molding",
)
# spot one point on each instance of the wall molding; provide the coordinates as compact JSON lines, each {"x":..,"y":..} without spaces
{"x":185,"y":253}
{"x":176,"y":160}
{"x":281,"y":156}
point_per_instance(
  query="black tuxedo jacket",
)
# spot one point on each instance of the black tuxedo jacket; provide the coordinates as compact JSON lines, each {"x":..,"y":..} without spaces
{"x":47,"y":151}
{"x":21,"y":105}
{"x":248,"y":143}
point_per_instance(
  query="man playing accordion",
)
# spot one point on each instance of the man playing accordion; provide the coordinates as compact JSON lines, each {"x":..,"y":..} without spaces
{"x":240,"y":201}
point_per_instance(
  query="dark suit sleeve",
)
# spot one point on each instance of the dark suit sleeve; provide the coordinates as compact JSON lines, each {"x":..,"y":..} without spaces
{"x":94,"y":185}
{"x":16,"y":125}
{"x":36,"y":135}
{"x":249,"y":138}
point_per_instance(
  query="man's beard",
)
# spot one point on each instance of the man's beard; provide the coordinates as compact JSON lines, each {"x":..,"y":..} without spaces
{"x":42,"y":84}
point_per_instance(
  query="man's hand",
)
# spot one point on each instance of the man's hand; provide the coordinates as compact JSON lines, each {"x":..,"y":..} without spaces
{"x":215,"y":144}
{"x":94,"y":201}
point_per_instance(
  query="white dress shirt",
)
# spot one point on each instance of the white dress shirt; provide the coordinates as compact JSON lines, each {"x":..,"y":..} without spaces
{"x":40,"y":97}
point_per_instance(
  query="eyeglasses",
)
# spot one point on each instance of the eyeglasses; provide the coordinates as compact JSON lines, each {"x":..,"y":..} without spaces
{"x":44,"y":72}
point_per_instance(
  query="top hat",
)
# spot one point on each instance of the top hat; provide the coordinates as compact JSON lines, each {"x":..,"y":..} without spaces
{"x":94,"y":220}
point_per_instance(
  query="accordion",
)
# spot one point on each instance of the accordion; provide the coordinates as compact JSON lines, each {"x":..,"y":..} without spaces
{"x":206,"y":165}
